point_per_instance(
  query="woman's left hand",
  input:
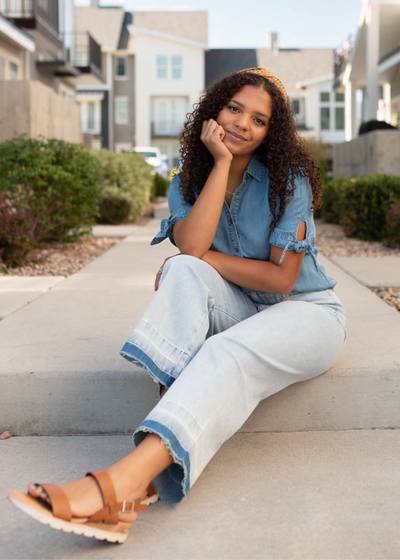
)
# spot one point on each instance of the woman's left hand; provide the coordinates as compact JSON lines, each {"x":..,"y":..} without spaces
{"x":159,"y":272}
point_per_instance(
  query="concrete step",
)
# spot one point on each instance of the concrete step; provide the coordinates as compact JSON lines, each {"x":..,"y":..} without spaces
{"x":61,"y":372}
{"x":274,"y":496}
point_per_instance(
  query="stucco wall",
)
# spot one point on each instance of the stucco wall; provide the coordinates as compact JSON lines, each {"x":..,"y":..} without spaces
{"x":372,"y":153}
{"x":32,"y":108}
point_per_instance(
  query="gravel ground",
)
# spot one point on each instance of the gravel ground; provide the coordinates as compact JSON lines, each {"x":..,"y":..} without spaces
{"x":63,"y":259}
{"x":332,"y":242}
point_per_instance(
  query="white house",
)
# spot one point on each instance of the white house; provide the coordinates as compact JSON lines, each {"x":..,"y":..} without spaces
{"x":324,"y":109}
{"x":169,"y":78}
{"x":374,"y":65}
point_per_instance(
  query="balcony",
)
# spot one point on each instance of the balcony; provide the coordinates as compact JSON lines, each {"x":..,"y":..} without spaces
{"x":39,"y":18}
{"x":166,"y":129}
{"x":80,"y":60}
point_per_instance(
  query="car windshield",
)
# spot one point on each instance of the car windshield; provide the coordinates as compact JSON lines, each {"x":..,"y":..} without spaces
{"x":149,"y":154}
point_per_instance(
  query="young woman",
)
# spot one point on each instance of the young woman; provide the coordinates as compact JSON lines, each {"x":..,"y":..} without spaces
{"x":243,"y":311}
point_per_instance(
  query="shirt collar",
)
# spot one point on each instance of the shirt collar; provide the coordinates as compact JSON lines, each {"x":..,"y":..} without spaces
{"x":256,"y":169}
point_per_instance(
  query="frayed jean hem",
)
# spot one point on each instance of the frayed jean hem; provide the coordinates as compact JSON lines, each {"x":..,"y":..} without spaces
{"x":172,"y":484}
{"x":136,"y":355}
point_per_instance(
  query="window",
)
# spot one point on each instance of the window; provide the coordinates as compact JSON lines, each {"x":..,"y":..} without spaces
{"x":325,"y":118}
{"x":296,"y":106}
{"x":2,"y":73}
{"x":121,"y":110}
{"x":176,"y":67}
{"x":121,"y":66}
{"x":324,"y":96}
{"x":63,"y":94}
{"x":161,"y":66}
{"x":339,"y":118}
{"x":339,"y":97}
{"x":90,"y":115}
{"x":13,"y":71}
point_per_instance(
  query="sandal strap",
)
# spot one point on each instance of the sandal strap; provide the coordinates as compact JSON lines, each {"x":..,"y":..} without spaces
{"x":151,"y":490}
{"x":106,"y":485}
{"x":109,"y":513}
{"x":59,"y":501}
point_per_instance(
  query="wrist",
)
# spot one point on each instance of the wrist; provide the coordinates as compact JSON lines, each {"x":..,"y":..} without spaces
{"x":223,"y":163}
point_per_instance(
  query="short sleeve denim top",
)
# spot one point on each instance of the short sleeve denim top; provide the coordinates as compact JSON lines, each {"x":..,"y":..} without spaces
{"x":244,"y":227}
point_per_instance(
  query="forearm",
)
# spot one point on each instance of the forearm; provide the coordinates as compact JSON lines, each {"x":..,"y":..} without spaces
{"x":260,"y":276}
{"x":198,"y":229}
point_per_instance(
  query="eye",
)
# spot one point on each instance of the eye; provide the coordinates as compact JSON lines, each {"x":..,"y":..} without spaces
{"x":232,"y":107}
{"x":260,"y":121}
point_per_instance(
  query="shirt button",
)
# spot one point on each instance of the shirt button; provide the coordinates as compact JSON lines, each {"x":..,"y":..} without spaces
{"x":230,"y":221}
{"x":236,"y":250}
{"x":238,"y":193}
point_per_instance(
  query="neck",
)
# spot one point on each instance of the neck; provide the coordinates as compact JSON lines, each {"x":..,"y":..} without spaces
{"x":239,"y":165}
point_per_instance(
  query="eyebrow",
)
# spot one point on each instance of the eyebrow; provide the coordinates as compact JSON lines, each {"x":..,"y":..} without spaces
{"x":256,"y":112}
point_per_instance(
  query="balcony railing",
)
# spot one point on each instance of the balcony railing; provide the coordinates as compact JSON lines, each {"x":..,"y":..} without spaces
{"x":24,"y":12}
{"x":79,"y":50}
{"x":169,"y":129}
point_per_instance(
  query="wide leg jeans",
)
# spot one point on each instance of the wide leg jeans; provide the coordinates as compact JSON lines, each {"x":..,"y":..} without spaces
{"x":220,"y":351}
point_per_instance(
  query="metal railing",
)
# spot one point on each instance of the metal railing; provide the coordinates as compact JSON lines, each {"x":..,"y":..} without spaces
{"x":82,"y":51}
{"x":42,"y":10}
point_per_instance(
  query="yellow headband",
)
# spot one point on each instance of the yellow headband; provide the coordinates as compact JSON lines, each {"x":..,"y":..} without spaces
{"x":266,"y":74}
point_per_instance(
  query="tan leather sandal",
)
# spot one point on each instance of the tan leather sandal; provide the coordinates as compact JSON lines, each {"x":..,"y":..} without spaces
{"x":103,"y":525}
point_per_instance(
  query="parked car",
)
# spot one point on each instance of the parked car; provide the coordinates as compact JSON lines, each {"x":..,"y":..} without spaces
{"x":154,"y":157}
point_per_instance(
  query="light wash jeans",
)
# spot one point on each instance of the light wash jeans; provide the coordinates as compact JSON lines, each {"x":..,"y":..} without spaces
{"x":221,"y":351}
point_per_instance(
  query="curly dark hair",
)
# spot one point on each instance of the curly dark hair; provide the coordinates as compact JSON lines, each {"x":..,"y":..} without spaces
{"x":283,"y":150}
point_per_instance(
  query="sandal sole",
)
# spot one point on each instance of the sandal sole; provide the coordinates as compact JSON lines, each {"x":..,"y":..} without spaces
{"x":32,"y":507}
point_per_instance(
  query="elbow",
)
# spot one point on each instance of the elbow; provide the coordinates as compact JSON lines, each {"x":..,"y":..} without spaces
{"x":286,"y":287}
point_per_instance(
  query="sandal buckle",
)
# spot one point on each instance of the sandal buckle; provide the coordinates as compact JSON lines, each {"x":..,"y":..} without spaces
{"x":124,"y":510}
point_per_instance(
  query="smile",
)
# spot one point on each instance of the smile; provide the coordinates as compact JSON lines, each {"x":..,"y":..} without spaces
{"x":235,"y":138}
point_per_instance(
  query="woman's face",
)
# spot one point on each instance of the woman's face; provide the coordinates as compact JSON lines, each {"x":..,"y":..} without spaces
{"x":246,"y":119}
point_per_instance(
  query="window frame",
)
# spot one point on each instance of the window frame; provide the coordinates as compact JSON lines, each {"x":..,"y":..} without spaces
{"x":161,"y":66}
{"x":119,"y":99}
{"x":121,"y":76}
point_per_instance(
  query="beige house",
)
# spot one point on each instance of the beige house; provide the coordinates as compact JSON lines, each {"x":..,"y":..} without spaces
{"x":42,"y":59}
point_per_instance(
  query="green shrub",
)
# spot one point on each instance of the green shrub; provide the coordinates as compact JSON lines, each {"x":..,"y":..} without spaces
{"x":54,"y":181}
{"x":127,"y":176}
{"x":114,"y":210}
{"x":161,"y":185}
{"x":331,"y":203}
{"x":393,"y":225}
{"x":15,"y":233}
{"x":361,"y":204}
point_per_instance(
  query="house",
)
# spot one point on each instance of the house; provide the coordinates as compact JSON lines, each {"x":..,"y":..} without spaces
{"x":373,"y":66}
{"x":153,"y":63}
{"x":372,"y":69}
{"x":42,"y":58}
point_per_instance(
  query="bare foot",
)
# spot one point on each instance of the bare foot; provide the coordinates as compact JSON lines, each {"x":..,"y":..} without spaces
{"x":85,"y":496}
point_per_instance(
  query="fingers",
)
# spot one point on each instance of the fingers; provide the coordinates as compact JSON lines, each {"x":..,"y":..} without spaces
{"x":209,"y":127}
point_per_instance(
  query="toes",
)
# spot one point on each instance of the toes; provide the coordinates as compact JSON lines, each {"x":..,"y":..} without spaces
{"x":37,"y":492}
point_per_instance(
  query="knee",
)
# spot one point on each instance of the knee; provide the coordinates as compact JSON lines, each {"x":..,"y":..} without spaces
{"x":182,"y":262}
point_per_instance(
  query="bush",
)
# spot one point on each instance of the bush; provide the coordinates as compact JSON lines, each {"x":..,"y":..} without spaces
{"x":114,"y":210}
{"x":54,"y":181}
{"x":127,"y":176}
{"x":361,"y":204}
{"x":393,"y":225}
{"x":161,"y":186}
{"x":15,"y":233}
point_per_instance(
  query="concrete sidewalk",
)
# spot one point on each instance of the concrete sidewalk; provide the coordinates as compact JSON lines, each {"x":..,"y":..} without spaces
{"x":313,"y":473}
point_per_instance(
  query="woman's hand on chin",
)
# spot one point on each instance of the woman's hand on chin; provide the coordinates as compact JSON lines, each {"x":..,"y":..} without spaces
{"x":212,"y":136}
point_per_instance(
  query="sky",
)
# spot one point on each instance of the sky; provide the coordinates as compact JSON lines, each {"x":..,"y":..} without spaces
{"x":247,"y":23}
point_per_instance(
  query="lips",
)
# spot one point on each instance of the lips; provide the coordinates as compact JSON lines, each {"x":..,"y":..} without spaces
{"x":236,"y":135}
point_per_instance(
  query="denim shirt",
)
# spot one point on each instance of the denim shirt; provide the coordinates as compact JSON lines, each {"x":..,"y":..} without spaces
{"x":244,"y":227}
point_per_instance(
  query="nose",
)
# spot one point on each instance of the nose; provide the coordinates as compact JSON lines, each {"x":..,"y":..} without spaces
{"x":241,"y":121}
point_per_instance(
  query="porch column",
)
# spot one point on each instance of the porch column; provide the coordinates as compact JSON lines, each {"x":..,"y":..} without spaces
{"x":350,"y":111}
{"x":372,"y":58}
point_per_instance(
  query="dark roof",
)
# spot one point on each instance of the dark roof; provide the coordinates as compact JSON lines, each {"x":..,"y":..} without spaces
{"x":225,"y":61}
{"x":124,"y":37}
